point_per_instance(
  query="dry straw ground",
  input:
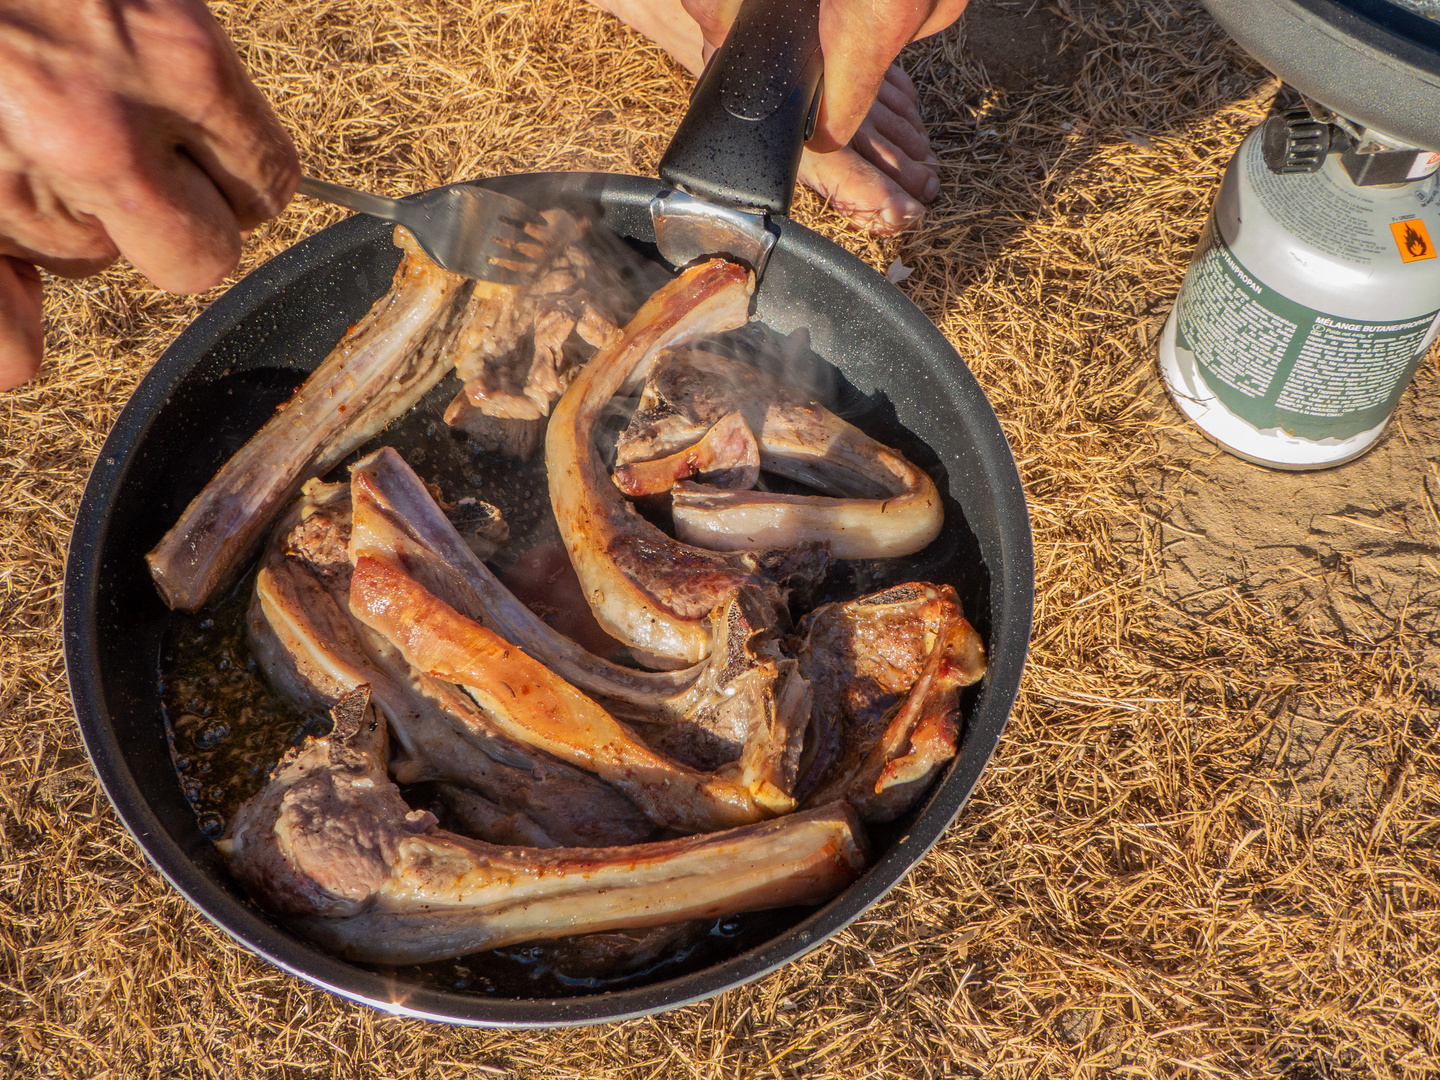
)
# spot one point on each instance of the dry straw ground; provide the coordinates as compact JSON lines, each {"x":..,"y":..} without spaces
{"x":1207,"y":844}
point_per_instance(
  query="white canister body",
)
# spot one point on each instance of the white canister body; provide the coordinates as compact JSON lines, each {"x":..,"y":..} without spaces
{"x":1306,"y":311}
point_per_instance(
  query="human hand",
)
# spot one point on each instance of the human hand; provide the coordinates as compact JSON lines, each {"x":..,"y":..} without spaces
{"x":127,"y":127}
{"x":859,"y":39}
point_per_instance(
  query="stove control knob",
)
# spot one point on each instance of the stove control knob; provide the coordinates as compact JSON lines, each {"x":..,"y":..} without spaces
{"x":1295,"y":142}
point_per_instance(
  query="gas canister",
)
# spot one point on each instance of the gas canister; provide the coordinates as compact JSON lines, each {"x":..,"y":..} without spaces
{"x":1310,"y":301}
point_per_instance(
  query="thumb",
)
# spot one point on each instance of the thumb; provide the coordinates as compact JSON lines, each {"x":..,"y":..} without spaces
{"x":22,"y":330}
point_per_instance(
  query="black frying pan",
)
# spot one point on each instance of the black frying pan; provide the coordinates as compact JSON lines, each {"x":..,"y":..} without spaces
{"x":890,"y":369}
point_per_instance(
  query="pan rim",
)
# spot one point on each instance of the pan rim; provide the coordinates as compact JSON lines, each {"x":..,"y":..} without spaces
{"x":1013,"y":577}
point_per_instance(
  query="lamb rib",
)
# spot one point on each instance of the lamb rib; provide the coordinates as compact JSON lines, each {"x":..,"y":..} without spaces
{"x":330,"y":844}
{"x":746,"y":703}
{"x":314,"y":652}
{"x":530,"y":703}
{"x":874,"y":502}
{"x":646,"y":589}
{"x":886,"y":671}
{"x":395,"y":518}
{"x":385,"y":363}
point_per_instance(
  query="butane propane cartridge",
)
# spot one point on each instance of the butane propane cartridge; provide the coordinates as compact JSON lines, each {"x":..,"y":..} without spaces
{"x":1313,"y":295}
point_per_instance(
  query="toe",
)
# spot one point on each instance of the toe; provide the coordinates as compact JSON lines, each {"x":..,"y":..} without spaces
{"x":856,"y":188}
{"x":895,"y":76}
{"x":905,"y":131}
{"x":916,"y":177}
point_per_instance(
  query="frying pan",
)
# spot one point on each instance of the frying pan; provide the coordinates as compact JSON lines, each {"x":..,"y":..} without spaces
{"x":1371,"y":61}
{"x":891,"y":369}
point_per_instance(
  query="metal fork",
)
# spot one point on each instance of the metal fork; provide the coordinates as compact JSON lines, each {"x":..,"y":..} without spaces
{"x":468,"y":230}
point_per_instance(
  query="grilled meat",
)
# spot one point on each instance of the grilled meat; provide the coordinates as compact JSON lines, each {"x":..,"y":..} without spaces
{"x":885,"y":671}
{"x":314,"y":652}
{"x":385,"y":364}
{"x":746,"y":704}
{"x":332,"y":845}
{"x":726,"y":456}
{"x":873,"y":504}
{"x":531,"y":704}
{"x":646,"y":589}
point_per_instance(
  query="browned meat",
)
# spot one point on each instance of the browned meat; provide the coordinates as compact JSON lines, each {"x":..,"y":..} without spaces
{"x":745,"y":705}
{"x":749,"y":709}
{"x":531,"y":704}
{"x":495,"y":434}
{"x":885,"y":671}
{"x":396,"y":519}
{"x":384,"y":364}
{"x":481,"y":819}
{"x":314,"y":652}
{"x":646,"y":589}
{"x":331,"y":844}
{"x":876,"y":504}
{"x":481,"y":525}
{"x":726,"y":456}
{"x":519,"y":345}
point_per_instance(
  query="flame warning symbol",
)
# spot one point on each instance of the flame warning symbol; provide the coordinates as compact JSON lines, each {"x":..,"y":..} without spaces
{"x":1412,"y":240}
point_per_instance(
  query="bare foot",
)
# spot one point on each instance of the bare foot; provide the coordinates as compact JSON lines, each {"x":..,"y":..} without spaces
{"x":881,"y":181}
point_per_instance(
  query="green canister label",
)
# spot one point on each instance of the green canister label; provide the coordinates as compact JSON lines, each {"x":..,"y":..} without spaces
{"x":1279,"y":364}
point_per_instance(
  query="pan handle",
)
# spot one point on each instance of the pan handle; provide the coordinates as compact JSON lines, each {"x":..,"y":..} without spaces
{"x":740,"y":141}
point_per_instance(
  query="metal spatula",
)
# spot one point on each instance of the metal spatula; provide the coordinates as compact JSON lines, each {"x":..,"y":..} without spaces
{"x":468,"y":230}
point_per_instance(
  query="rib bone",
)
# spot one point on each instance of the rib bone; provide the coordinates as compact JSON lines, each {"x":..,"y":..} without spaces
{"x":314,"y":652}
{"x":530,"y":703}
{"x":646,"y":589}
{"x":875,"y":503}
{"x":385,"y":363}
{"x":330,"y":843}
{"x":746,"y":703}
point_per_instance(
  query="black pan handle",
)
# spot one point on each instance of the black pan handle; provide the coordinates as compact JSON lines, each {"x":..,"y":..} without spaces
{"x":739,"y":143}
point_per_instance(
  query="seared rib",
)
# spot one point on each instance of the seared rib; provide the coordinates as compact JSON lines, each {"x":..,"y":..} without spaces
{"x":646,"y":589}
{"x":395,"y":518}
{"x":726,"y":456}
{"x":314,"y":652}
{"x":331,"y":844}
{"x":530,"y":703}
{"x":886,"y":671}
{"x":875,"y":503}
{"x":385,"y":363}
{"x":746,"y":704}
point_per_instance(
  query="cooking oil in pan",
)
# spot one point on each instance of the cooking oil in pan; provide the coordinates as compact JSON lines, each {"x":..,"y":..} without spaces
{"x":226,"y":728}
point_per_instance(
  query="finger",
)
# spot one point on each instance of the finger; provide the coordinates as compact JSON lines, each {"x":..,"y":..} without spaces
{"x":859,"y":42}
{"x":171,"y":221}
{"x":116,"y":162}
{"x":714,"y":16}
{"x":227,"y":127}
{"x":918,"y":180}
{"x":22,"y":327}
{"x":37,"y":226}
{"x":942,"y":14}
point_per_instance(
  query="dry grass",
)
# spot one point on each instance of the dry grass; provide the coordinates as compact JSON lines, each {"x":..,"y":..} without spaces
{"x":1207,"y":845}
